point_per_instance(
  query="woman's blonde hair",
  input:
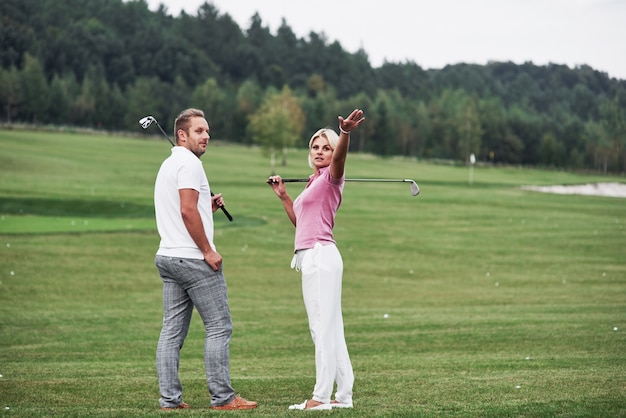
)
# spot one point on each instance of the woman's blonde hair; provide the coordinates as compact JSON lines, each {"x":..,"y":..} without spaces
{"x":327,"y":133}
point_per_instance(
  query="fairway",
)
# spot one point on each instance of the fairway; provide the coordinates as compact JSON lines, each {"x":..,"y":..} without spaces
{"x":481,"y":300}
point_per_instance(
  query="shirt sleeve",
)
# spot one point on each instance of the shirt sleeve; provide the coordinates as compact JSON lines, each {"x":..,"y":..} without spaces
{"x":190,"y":177}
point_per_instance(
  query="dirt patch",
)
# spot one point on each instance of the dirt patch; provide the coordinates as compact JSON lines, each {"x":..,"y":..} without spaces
{"x":594,"y":189}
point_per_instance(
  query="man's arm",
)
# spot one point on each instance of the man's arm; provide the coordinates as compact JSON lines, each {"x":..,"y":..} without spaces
{"x":193,"y":223}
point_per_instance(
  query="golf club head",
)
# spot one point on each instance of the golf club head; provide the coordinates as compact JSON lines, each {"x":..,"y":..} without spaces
{"x":145,"y":122}
{"x":415,"y":190}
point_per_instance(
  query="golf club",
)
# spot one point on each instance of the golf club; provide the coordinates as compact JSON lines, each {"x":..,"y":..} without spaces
{"x":145,"y":122}
{"x":415,"y":190}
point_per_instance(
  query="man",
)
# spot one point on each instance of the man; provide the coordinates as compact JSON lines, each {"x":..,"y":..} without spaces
{"x":191,"y":268}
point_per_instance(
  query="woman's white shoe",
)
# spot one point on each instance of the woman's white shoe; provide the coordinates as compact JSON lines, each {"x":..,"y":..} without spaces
{"x":320,"y":407}
{"x":337,"y":404}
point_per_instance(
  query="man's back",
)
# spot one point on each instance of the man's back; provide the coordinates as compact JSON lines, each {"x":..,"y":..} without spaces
{"x":182,"y":170}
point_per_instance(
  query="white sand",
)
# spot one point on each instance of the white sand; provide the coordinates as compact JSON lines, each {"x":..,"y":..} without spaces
{"x":595,"y":189}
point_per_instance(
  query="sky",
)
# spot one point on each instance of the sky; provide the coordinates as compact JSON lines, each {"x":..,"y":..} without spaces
{"x":437,"y":33}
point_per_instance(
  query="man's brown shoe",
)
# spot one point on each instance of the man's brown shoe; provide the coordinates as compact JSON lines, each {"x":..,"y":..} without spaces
{"x":182,"y":405}
{"x":237,"y":403}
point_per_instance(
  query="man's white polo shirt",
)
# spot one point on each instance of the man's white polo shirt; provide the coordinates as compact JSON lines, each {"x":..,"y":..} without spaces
{"x":182,"y":170}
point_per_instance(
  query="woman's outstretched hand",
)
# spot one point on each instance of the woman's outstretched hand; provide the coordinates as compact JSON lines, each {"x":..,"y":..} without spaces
{"x":352,"y":122}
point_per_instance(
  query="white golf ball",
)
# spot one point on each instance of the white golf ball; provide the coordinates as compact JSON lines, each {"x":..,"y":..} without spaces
{"x":386,"y":316}
{"x":614,"y":328}
{"x":12,"y":273}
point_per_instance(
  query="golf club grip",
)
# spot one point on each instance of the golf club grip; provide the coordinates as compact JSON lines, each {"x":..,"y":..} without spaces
{"x":291,"y":181}
{"x":230,"y":218}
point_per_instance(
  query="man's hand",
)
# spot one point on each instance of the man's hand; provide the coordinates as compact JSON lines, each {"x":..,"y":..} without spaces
{"x":217,"y":201}
{"x":213,"y":259}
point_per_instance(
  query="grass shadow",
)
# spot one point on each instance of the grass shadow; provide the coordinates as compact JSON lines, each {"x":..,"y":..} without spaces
{"x":74,"y":207}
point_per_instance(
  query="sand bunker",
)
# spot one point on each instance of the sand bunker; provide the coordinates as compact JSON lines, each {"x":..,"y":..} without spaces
{"x":595,"y":189}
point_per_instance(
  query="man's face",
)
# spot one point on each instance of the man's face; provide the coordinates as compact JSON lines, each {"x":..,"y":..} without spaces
{"x":197,"y":138}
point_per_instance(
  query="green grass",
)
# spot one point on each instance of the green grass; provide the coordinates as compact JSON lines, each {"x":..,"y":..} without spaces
{"x":500,"y":302}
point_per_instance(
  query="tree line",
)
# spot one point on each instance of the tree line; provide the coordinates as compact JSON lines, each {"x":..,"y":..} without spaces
{"x":105,"y":64}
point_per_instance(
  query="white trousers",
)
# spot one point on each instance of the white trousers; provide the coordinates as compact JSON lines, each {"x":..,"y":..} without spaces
{"x":322,"y":270}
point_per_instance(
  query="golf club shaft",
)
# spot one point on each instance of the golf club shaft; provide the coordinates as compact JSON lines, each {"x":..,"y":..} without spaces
{"x":363,"y":180}
{"x":164,"y":134}
{"x":414,"y":187}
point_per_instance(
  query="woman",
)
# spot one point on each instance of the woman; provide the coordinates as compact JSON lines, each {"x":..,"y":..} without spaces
{"x":316,"y":255}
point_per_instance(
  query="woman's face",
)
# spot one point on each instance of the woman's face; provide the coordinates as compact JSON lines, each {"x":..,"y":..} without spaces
{"x":321,"y":152}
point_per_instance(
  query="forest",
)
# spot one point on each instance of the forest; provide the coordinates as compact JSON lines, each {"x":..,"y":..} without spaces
{"x":105,"y":64}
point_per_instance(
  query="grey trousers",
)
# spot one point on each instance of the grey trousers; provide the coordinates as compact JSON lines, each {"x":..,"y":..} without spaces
{"x":188,"y":283}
